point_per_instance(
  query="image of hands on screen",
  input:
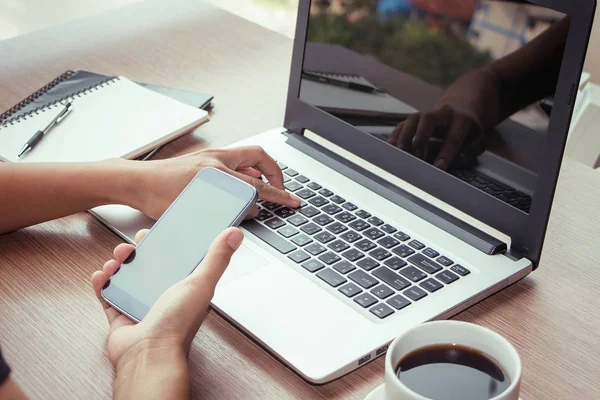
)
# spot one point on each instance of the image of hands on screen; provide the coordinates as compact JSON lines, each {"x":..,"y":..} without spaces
{"x":464,"y":85}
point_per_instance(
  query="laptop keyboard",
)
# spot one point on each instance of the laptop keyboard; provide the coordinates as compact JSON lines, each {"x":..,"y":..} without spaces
{"x":374,"y":264}
{"x":497,"y":189}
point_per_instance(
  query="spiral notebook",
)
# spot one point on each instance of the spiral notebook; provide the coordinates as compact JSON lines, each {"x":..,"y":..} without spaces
{"x":113,"y":118}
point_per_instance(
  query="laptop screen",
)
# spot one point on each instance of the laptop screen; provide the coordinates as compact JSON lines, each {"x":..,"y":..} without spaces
{"x":465,"y":85}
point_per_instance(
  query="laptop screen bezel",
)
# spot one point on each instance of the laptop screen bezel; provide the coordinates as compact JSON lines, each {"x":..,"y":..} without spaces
{"x":526,"y":231}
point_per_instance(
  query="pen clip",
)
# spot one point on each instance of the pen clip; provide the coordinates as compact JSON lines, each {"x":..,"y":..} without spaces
{"x":59,"y":119}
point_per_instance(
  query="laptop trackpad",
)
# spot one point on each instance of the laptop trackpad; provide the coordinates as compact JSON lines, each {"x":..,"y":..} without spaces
{"x":243,"y":262}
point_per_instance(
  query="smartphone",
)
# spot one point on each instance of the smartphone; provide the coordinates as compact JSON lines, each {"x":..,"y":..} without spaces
{"x":179,"y":240}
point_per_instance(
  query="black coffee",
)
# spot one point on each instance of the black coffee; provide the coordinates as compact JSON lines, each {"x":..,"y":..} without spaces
{"x":452,"y":372}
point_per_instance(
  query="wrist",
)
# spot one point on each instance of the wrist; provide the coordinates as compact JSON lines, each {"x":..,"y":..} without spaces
{"x":126,"y":180}
{"x":152,"y":371}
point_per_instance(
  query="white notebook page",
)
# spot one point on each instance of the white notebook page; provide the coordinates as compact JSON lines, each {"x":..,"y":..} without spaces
{"x":119,"y":119}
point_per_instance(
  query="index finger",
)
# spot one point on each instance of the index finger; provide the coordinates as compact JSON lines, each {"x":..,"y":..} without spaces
{"x":254,"y":157}
{"x":453,"y":143}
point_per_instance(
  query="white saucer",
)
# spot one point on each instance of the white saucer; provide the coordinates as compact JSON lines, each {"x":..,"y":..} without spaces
{"x":376,"y":394}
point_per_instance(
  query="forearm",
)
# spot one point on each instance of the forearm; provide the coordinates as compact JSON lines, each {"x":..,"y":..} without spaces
{"x":10,"y":391}
{"x":34,"y":193}
{"x":153,"y":375}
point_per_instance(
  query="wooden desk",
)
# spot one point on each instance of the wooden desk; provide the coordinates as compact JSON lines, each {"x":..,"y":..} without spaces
{"x":53,"y":331}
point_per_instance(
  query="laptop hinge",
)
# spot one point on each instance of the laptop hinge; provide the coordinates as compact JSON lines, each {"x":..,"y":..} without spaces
{"x":413,"y":204}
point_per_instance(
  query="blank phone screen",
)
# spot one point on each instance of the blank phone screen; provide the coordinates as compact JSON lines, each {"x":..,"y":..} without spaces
{"x":174,"y":247}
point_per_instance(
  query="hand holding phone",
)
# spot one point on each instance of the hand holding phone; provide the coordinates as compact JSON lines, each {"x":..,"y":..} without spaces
{"x":212,"y":202}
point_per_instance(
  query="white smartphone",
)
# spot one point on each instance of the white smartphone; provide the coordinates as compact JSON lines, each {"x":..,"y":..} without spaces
{"x":179,"y":240}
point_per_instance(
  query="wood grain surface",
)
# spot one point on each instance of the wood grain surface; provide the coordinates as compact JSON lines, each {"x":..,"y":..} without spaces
{"x":52,"y":330}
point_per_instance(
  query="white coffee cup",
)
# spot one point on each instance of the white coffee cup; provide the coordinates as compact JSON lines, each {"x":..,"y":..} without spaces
{"x":476,"y":337}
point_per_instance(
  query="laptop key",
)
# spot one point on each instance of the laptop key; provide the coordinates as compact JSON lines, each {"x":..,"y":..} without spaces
{"x":351,"y":236}
{"x":331,"y":209}
{"x":329,"y":258}
{"x":349,"y":206}
{"x":314,"y":186}
{"x":353,"y":255}
{"x":297,"y":220}
{"x":309,"y":211}
{"x":323,"y":220}
{"x":284,"y":212}
{"x":275,"y":223}
{"x":398,"y":302}
{"x":325,"y":192}
{"x":350,"y":290}
{"x":367,"y":263}
{"x":345,"y":217}
{"x":281,"y":165}
{"x":338,"y":246}
{"x":413,"y":273}
{"x":315,"y":249}
{"x":429,"y":252}
{"x":365,"y":245}
{"x":401,"y":236}
{"x":365,"y":300}
{"x":343,"y":267}
{"x":375,"y":221}
{"x":388,"y":229}
{"x":363,"y":214}
{"x":286,"y":179}
{"x":382,"y":291}
{"x":331,"y":277}
{"x":403,"y":251}
{"x":268,"y":236}
{"x":302,"y":240}
{"x":381,"y":311}
{"x":292,"y":186}
{"x":271,"y":206}
{"x":318,"y":201}
{"x":337,"y":199}
{"x":424,"y":263}
{"x":363,"y":279}
{"x":359,"y":225}
{"x":373,"y":233}
{"x":311,"y":228}
{"x":298,"y":256}
{"x":431,"y":285}
{"x":380,"y":254}
{"x":263,"y":215}
{"x":447,"y":277}
{"x":415,"y":244}
{"x":337,"y":228}
{"x":459,"y":269}
{"x":313,"y":265}
{"x":414,"y":293}
{"x":305,"y":193}
{"x":388,"y":242}
{"x":324,"y":237}
{"x":288,"y":231}
{"x":302,"y":179}
{"x":290,"y":172}
{"x":391,"y":278}
{"x":445,"y":261}
{"x":395,"y":263}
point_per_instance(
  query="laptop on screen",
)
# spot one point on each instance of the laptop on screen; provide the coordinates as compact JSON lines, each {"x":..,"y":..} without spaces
{"x":425,"y":140}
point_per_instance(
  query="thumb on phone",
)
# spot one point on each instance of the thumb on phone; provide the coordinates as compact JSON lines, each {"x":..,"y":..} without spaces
{"x":208,"y":273}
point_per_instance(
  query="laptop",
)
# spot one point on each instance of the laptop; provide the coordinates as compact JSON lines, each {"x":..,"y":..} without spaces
{"x":384,"y":240}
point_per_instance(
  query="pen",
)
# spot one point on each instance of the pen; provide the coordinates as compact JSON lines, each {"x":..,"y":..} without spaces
{"x":348,"y":85}
{"x":35,"y":139}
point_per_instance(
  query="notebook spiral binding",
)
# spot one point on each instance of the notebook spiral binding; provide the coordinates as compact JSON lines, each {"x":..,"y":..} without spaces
{"x":6,"y":120}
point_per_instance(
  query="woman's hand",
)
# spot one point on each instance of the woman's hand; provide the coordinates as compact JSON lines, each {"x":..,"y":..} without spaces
{"x":150,"y":358}
{"x":160,"y":182}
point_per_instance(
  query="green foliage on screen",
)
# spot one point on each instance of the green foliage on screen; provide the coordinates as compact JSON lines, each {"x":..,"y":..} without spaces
{"x":403,"y":43}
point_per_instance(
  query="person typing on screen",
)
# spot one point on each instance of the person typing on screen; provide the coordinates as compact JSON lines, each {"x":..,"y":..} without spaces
{"x":483,"y":98}
{"x":150,"y":358}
